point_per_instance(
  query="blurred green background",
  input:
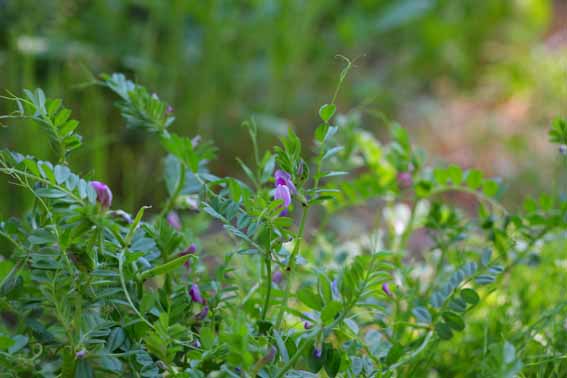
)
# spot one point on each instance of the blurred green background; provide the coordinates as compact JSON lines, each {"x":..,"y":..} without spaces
{"x":476,"y":81}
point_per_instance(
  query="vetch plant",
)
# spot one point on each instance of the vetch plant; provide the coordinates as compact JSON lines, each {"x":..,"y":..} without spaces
{"x":87,"y":290}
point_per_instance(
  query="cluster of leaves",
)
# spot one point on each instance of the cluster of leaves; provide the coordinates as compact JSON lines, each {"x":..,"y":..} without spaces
{"x":87,"y":290}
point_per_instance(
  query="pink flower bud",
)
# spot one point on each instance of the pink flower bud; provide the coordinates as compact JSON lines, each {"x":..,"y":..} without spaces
{"x":203,"y":314}
{"x":317,"y":352}
{"x":189,"y":251}
{"x":81,"y":354}
{"x":386,"y":289}
{"x":405,"y":180}
{"x":195,"y":294}
{"x":174,"y":220}
{"x":277,"y":277}
{"x":284,"y":178}
{"x":103,"y":194}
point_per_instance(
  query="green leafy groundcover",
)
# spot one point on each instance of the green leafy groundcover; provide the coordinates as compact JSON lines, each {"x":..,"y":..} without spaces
{"x":89,"y":290}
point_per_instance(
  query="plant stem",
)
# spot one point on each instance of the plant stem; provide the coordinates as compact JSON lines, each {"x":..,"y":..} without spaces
{"x":268,"y":262}
{"x":292,"y":266}
{"x":409,"y":227}
{"x":414,"y":353}
{"x":295,"y":357}
{"x":125,"y":289}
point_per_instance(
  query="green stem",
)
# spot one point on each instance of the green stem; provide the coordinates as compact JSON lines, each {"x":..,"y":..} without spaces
{"x":125,"y":289}
{"x":292,"y":266}
{"x":412,"y":355}
{"x":409,"y":228}
{"x":268,"y":262}
{"x":295,"y":357}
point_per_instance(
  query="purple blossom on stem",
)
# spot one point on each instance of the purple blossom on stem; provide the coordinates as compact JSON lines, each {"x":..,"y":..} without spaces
{"x":174,"y":220}
{"x":307,"y":325}
{"x":203,"y":314}
{"x":80,"y":354}
{"x":317,"y":352}
{"x":277,"y":277}
{"x":195,"y":294}
{"x":284,"y":189}
{"x":404,"y":180}
{"x":335,"y":288}
{"x":284,"y":178}
{"x":103,"y":194}
{"x":282,"y":193}
{"x":189,"y":251}
{"x":386,"y":289}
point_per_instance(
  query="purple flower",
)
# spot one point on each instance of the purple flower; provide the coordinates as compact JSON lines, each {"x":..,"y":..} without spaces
{"x":277,"y":277}
{"x":563,"y":149}
{"x":386,"y":289}
{"x":405,"y":180}
{"x":80,"y":354}
{"x":195,"y":294}
{"x":103,"y":194}
{"x":189,"y":251}
{"x":317,"y":352}
{"x":196,"y":344}
{"x":169,"y":109}
{"x":307,"y":325}
{"x":282,"y":193}
{"x":173,"y":220}
{"x":121,"y":214}
{"x":335,"y":288}
{"x":203,"y":314}
{"x":284,"y":189}
{"x":284,"y":178}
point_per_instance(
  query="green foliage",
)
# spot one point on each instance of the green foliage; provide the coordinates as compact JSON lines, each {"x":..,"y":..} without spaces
{"x":234,"y":277}
{"x":52,"y":116}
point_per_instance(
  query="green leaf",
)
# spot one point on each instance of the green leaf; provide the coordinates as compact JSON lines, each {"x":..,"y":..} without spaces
{"x":485,"y":279}
{"x":20,"y":341}
{"x":474,"y":179}
{"x":331,"y":360}
{"x":470,"y":296}
{"x":62,"y":172}
{"x":83,"y":370}
{"x":207,"y":337}
{"x":111,"y":363}
{"x":437,"y":299}
{"x":281,"y":346}
{"x":457,"y":304}
{"x":327,"y":111}
{"x":443,"y":331}
{"x":490,"y":188}
{"x":453,"y":320}
{"x":135,"y":223}
{"x":422,"y":315}
{"x":6,"y":342}
{"x":324,"y":287}
{"x":116,"y":339}
{"x":309,"y":298}
{"x":455,"y":174}
{"x":165,"y":268}
{"x":330,"y":312}
{"x":440,"y":175}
